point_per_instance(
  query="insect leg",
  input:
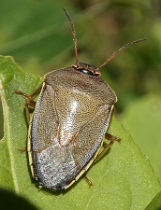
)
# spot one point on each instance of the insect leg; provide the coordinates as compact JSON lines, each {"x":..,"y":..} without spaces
{"x":112,"y":139}
{"x":89,"y":182}
{"x":29,"y":100}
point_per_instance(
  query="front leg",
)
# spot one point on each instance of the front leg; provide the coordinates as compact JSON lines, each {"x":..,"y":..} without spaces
{"x":29,"y":100}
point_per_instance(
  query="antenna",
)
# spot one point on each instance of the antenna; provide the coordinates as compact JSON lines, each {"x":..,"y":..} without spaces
{"x":74,"y":36}
{"x":120,"y":50}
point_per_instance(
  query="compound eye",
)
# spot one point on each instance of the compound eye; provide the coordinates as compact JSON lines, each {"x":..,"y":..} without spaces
{"x":85,"y":71}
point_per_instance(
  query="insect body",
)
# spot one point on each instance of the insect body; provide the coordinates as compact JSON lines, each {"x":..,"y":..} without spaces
{"x":70,"y":120}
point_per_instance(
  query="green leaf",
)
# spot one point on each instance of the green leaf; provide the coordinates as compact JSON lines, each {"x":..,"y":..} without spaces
{"x":123,"y":179}
{"x":156,"y":203}
{"x":143,"y":119}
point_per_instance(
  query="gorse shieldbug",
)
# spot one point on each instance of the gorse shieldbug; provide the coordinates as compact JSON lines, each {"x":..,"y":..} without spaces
{"x":71,"y":117}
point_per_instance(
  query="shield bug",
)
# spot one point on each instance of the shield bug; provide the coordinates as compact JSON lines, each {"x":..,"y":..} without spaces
{"x":71,"y":117}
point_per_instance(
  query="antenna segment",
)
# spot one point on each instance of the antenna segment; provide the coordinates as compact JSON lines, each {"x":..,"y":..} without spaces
{"x":74,"y":36}
{"x":120,"y":50}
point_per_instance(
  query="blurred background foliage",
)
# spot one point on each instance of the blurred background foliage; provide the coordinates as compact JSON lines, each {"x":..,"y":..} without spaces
{"x":37,"y":34}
